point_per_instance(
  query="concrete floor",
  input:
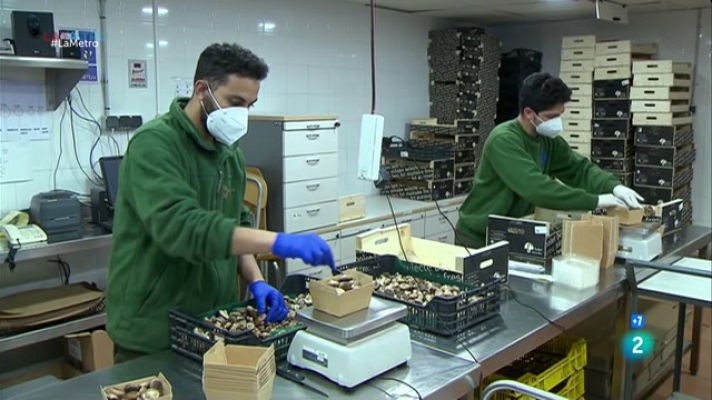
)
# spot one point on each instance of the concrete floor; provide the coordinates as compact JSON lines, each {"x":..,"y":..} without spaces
{"x":699,"y":386}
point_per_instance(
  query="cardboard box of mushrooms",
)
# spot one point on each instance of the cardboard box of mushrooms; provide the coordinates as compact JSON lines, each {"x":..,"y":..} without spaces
{"x":149,"y":388}
{"x":342,"y":294}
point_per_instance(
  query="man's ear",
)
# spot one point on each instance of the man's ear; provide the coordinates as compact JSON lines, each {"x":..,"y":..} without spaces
{"x":200,"y":89}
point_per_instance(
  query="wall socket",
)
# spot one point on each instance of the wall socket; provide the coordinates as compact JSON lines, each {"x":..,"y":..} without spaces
{"x":123,"y":122}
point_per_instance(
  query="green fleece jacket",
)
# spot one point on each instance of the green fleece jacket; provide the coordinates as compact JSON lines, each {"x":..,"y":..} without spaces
{"x":518,"y":172}
{"x":180,"y":197}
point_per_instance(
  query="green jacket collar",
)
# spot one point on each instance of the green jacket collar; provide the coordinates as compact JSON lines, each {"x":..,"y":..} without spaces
{"x":176,"y":111}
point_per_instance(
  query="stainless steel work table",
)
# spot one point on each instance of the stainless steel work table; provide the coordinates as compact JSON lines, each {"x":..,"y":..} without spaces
{"x":441,"y":368}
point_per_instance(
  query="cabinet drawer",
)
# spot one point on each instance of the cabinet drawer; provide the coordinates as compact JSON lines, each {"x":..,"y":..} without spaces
{"x":296,"y":143}
{"x":444,"y":237}
{"x":307,"y":192}
{"x":437,"y":224}
{"x":311,"y":125}
{"x":310,"y":217}
{"x":313,"y":166}
{"x":416,"y":221}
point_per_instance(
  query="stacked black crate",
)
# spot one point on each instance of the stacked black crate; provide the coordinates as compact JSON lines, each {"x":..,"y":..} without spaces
{"x":464,"y":138}
{"x":515,"y":66}
{"x":464,"y":83}
{"x":577,"y":72}
{"x":612,"y":146}
{"x":664,"y":137}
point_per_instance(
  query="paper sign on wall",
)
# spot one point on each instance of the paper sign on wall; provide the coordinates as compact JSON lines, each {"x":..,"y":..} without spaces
{"x":138,"y":76}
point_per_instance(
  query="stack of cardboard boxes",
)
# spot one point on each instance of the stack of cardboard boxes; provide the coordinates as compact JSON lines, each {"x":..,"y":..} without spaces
{"x":664,"y":137}
{"x":577,"y":57}
{"x":612,"y":145}
{"x":464,"y":76}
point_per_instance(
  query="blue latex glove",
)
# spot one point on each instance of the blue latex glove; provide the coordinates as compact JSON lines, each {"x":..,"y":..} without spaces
{"x":309,"y":247}
{"x":264,"y":295}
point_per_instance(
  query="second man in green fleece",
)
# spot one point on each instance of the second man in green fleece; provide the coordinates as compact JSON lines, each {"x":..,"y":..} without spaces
{"x":525,"y":164}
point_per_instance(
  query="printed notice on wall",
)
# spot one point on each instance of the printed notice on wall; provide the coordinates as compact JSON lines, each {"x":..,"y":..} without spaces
{"x":15,"y":161}
{"x":137,"y":74}
{"x":23,"y":111}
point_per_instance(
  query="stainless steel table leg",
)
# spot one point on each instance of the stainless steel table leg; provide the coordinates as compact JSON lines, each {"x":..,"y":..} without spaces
{"x":679,"y":340}
{"x":696,"y":336}
{"x":622,"y":379}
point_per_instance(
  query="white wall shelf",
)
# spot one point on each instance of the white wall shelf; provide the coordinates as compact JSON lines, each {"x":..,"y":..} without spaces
{"x":60,"y":74}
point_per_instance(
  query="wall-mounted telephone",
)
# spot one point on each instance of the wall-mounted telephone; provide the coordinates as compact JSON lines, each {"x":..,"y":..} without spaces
{"x":24,"y":235}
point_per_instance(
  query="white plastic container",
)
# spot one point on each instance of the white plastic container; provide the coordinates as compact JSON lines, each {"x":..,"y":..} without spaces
{"x":575,"y":271}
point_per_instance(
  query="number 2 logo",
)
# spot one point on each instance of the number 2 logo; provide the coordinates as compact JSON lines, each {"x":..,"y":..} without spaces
{"x":637,"y":346}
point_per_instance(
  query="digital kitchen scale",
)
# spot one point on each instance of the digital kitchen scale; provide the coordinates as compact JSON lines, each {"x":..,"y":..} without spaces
{"x":355,"y":348}
{"x":640,"y":242}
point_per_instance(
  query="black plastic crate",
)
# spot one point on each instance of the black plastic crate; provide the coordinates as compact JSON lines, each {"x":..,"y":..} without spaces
{"x":464,"y":171}
{"x":626,"y":178}
{"x":605,"y":148}
{"x":664,"y":156}
{"x":663,"y":177}
{"x":611,"y":89}
{"x":465,"y":156}
{"x":658,"y":195}
{"x":611,"y":128}
{"x":422,"y":190}
{"x":664,"y":136}
{"x":613,"y":164}
{"x":611,"y":109}
{"x":467,"y":126}
{"x":185,"y":341}
{"x":398,"y":168}
{"x":417,"y":149}
{"x":463,"y":186}
{"x":443,"y":316}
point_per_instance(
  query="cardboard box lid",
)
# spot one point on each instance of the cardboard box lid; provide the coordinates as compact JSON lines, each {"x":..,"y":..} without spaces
{"x":583,"y":238}
{"x":92,"y":350}
{"x":42,"y":301}
{"x":626,"y":216}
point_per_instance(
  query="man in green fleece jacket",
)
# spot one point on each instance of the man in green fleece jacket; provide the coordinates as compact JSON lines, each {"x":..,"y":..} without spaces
{"x":181,"y":232}
{"x":525,"y":164}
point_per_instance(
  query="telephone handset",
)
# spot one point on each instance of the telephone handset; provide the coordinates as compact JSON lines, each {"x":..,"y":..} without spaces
{"x":24,"y":235}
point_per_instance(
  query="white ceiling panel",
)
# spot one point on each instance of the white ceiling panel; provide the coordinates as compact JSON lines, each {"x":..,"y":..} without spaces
{"x":499,"y":11}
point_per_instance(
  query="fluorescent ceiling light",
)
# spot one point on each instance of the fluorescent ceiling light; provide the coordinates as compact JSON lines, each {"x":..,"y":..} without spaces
{"x":266,"y":26}
{"x":149,"y":10}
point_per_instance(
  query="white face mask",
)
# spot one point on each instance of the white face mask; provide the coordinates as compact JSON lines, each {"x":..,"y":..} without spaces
{"x":550,"y":128}
{"x":227,"y":125}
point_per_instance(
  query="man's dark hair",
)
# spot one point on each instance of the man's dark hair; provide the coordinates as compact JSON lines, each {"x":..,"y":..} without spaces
{"x":540,"y":91}
{"x":218,"y":61}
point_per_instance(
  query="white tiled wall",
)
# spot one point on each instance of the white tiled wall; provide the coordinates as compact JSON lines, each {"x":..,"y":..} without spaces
{"x":317,"y":50}
{"x":676,"y":34}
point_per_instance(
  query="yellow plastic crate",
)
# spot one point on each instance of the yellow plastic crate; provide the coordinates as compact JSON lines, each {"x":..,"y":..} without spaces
{"x":574,"y":388}
{"x":573,"y":353}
